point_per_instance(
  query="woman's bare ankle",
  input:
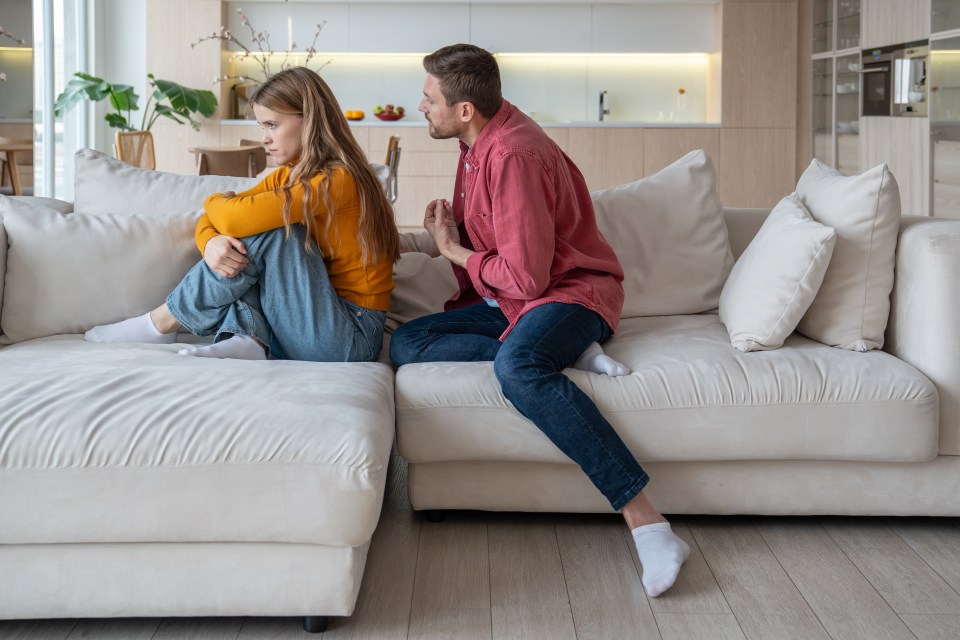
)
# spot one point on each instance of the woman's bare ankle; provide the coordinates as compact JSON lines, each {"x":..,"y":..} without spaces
{"x":164,"y":321}
{"x":640,"y":511}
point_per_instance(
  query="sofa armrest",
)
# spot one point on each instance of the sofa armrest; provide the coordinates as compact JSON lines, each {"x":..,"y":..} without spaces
{"x":419,"y":242}
{"x":925,"y":310}
{"x":3,"y":263}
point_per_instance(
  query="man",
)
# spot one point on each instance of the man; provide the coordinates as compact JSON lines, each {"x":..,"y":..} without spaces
{"x":539,"y":287}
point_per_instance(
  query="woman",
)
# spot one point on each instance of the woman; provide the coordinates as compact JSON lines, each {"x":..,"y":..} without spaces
{"x":298,"y":267}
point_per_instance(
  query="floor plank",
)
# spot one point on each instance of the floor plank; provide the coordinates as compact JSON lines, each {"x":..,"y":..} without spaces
{"x":937,"y":542}
{"x":383,"y":605}
{"x":276,"y":629}
{"x":928,"y":627}
{"x":453,"y":569}
{"x":761,"y":595}
{"x":199,"y":629}
{"x":450,"y":624}
{"x":696,"y":590}
{"x":847,"y":605}
{"x":904,"y":580}
{"x":36,"y":629}
{"x":115,"y":629}
{"x":606,"y":595}
{"x":699,"y":626}
{"x":528,"y":593}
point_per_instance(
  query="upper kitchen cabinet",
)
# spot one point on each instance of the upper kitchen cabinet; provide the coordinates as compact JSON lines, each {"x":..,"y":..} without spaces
{"x":381,"y":28}
{"x":621,"y":28}
{"x":887,"y":22}
{"x":944,"y":16}
{"x":836,"y":25}
{"x":506,"y":27}
{"x":291,"y":24}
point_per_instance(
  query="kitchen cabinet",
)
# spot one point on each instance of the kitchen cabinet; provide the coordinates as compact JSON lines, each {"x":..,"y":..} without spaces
{"x":886,"y":22}
{"x":836,"y":25}
{"x":945,"y":126}
{"x":835,"y":115}
{"x":904,"y":145}
{"x":944,"y":15}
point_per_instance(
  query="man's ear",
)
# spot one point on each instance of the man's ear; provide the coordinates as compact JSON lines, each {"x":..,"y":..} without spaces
{"x":466,"y":111}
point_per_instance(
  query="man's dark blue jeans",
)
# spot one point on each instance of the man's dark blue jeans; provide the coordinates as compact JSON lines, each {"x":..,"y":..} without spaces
{"x":529,"y":365}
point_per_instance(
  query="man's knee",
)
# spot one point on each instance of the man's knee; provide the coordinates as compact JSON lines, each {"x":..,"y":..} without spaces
{"x":517,"y":373}
{"x":404,"y":345}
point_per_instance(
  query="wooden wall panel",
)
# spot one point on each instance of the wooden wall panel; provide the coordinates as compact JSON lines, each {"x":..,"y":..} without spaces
{"x":886,"y":22}
{"x":804,"y":84}
{"x":759,"y":63}
{"x":663,"y":146}
{"x":607,"y":157}
{"x":756,"y":167}
{"x":172,"y":141}
{"x":904,"y":145}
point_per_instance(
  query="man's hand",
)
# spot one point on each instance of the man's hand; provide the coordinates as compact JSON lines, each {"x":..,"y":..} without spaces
{"x":439,"y":222}
{"x":225,"y":255}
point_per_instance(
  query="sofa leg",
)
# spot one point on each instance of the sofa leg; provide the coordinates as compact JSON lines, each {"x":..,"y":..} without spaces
{"x":434,"y":515}
{"x":315,"y":624}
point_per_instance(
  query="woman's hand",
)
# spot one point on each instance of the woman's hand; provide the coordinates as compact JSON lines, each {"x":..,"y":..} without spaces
{"x":225,"y":255}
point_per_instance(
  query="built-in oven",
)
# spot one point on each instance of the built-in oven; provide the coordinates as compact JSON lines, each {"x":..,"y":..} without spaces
{"x":876,"y":67}
{"x":910,"y":79}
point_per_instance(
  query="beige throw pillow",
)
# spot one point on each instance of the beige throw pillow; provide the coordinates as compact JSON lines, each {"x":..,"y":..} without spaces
{"x":68,"y":272}
{"x":422,"y":284}
{"x":775,"y":280}
{"x":852,"y":307}
{"x":669,"y":234}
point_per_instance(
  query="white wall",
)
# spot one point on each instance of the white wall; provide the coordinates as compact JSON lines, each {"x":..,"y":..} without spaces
{"x":119,"y":56}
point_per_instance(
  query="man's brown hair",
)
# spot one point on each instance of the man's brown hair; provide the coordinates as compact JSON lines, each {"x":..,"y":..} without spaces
{"x":467,"y":73}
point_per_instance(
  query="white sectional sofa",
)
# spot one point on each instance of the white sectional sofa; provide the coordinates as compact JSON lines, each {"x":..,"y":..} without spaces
{"x":134,"y":482}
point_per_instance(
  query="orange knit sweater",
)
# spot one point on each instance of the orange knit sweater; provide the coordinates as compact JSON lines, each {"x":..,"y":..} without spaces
{"x":259,"y":209}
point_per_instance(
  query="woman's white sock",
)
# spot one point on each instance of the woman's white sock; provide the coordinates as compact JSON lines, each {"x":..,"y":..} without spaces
{"x":139,"y":329}
{"x":662,"y":554}
{"x":595,"y":360}
{"x":235,"y":347}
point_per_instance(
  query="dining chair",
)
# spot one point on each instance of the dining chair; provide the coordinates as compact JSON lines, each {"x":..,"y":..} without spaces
{"x":393,"y":163}
{"x":24,"y":159}
{"x":246,"y":142}
{"x":136,"y":148}
{"x":245,"y":162}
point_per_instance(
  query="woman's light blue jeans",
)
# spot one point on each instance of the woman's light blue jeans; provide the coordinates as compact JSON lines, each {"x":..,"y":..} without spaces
{"x":529,"y":365}
{"x":283,"y":299}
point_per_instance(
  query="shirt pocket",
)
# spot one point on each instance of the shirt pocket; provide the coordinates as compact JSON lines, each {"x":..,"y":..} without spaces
{"x":482,"y":229}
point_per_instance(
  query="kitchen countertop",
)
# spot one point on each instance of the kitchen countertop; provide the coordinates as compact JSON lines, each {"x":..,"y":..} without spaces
{"x":372,"y":122}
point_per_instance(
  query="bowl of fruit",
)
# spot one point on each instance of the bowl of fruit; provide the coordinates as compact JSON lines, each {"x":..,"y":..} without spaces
{"x":388,"y":113}
{"x":354,"y":114}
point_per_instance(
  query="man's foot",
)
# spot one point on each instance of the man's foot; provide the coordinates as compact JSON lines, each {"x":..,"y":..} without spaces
{"x":662,"y":554}
{"x":139,"y":329}
{"x":235,"y":347}
{"x":595,"y":360}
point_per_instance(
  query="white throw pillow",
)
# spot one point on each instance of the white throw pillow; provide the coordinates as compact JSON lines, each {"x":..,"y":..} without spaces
{"x":422,"y":285}
{"x":669,"y":234}
{"x":107,"y":185}
{"x":68,"y":272}
{"x":775,"y":280}
{"x":852,"y":307}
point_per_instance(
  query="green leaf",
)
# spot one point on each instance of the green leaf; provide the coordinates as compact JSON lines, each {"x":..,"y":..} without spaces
{"x":123,"y":98}
{"x":80,"y":86}
{"x":118,"y":121}
{"x":184,"y":100}
{"x":167,"y":112}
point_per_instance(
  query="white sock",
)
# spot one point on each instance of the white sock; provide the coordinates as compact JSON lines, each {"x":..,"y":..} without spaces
{"x":236,"y":347}
{"x":139,"y":329}
{"x":662,"y":554}
{"x":595,"y":360}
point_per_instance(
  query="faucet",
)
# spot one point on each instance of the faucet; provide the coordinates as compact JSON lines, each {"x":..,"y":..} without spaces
{"x":603,"y":111}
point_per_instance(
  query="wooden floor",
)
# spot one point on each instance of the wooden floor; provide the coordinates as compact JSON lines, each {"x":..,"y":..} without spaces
{"x":480,"y":575}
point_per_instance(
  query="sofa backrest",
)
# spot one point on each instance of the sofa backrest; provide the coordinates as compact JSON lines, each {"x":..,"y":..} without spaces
{"x":742,"y":226}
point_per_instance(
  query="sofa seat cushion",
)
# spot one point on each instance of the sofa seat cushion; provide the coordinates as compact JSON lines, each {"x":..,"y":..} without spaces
{"x":134,"y":443}
{"x":691,"y":396}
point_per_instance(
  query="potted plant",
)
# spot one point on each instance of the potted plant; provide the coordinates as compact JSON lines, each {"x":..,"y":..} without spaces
{"x":168,"y":99}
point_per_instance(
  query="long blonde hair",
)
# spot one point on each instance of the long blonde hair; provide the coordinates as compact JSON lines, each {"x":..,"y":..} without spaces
{"x":328,"y":144}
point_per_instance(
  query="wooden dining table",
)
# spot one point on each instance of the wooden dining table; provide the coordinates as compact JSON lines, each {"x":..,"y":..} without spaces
{"x":11,"y":149}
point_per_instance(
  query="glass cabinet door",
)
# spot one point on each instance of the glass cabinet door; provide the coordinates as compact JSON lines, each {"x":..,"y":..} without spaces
{"x":944,"y":114}
{"x":945,"y":15}
{"x":823,"y":26}
{"x":822,"y":116}
{"x":848,"y":24}
{"x":848,"y":114}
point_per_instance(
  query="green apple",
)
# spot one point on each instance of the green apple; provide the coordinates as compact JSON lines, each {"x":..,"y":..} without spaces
{"x":378,"y":109}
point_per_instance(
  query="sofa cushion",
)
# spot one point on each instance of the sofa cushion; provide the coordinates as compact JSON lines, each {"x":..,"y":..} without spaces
{"x":689,"y":397}
{"x":668,"y":232}
{"x":852,"y":307}
{"x":774,"y":281}
{"x":106,"y":185}
{"x":134,"y":443}
{"x":69,"y":272}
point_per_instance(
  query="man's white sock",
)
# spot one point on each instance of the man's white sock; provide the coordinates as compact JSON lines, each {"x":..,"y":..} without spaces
{"x":662,"y":554}
{"x":595,"y":360}
{"x":139,"y":329}
{"x":235,"y":347}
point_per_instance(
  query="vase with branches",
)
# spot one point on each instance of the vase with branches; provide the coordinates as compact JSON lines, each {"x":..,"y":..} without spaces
{"x":9,"y":36}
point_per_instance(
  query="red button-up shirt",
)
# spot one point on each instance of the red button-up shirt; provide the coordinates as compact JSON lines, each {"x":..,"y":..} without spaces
{"x":524,"y":207}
